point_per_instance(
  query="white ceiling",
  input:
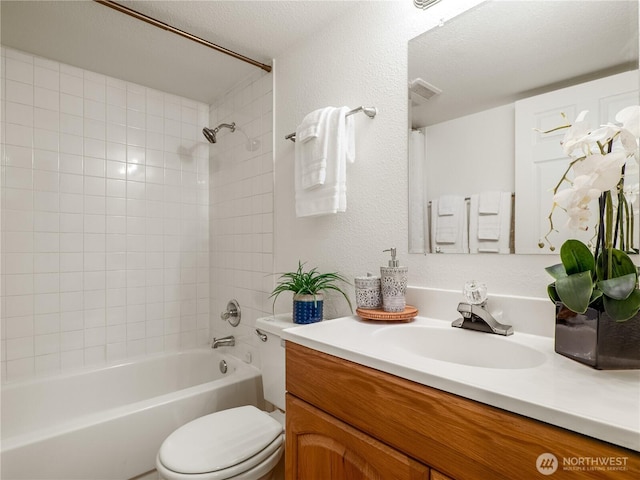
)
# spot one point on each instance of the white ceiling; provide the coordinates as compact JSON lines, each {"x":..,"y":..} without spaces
{"x":502,"y":51}
{"x":491,"y":55}
{"x":94,"y":37}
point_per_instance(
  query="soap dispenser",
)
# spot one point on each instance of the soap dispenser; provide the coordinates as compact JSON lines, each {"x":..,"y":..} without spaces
{"x":393,"y":284}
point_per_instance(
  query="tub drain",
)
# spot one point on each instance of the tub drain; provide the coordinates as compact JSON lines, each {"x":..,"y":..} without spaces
{"x":223,"y":366}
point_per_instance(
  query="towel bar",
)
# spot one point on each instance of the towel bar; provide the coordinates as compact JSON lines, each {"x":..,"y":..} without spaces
{"x":466,"y":199}
{"x":370,"y":112}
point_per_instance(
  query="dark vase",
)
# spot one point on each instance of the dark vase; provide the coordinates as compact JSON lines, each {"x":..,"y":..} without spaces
{"x":307,"y":308}
{"x":594,"y":339}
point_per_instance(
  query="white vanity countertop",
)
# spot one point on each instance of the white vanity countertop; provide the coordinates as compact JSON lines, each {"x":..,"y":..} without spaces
{"x":559,"y":391}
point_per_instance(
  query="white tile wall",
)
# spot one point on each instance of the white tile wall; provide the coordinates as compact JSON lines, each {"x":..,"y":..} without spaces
{"x":241,"y":195}
{"x":105,"y":222}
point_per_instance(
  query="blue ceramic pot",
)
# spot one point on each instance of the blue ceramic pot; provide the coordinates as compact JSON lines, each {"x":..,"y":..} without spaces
{"x":307,"y":308}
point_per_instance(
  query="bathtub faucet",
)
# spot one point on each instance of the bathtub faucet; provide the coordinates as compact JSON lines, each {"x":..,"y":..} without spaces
{"x":229,"y":341}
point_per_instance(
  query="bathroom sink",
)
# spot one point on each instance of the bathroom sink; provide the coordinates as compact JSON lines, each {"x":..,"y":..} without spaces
{"x":462,"y":347}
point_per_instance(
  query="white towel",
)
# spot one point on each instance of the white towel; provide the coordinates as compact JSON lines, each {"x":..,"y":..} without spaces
{"x":344,"y":149}
{"x":350,"y":136}
{"x":490,"y":233}
{"x":448,"y":205}
{"x":489,"y":227}
{"x":311,"y":147}
{"x":489,"y":203}
{"x":449,"y":233}
{"x":447,"y":229}
{"x":488,"y":215}
{"x":330,"y":197}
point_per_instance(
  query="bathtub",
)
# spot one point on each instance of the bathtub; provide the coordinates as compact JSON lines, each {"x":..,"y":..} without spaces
{"x":108,"y":423}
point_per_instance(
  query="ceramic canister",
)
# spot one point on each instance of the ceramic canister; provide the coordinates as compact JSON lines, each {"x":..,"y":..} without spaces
{"x":368,"y":293}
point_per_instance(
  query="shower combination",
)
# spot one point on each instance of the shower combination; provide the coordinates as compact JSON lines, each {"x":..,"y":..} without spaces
{"x":210,"y":134}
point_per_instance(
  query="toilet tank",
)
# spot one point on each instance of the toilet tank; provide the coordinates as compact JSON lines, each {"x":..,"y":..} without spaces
{"x":272,"y":357}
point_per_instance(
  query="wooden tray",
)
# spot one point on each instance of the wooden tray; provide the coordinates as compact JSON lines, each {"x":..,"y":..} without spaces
{"x":379,"y":314}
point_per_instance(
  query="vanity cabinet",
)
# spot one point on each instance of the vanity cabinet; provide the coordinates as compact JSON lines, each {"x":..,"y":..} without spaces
{"x":325,"y":448}
{"x":347,"y":421}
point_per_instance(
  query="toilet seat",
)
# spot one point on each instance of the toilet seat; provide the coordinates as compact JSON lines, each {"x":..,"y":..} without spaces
{"x":221,"y":445}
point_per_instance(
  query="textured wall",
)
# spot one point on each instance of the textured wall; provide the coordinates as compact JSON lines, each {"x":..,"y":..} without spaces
{"x":104,"y":219}
{"x":361,"y":59}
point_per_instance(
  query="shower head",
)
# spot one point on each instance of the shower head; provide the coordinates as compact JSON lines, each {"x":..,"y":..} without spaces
{"x":210,"y":134}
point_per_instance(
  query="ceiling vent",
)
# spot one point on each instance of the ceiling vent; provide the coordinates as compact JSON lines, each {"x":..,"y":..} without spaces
{"x":421,"y":91}
{"x":424,"y":4}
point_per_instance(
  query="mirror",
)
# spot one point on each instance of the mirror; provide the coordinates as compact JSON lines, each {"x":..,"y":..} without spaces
{"x":465,"y":79}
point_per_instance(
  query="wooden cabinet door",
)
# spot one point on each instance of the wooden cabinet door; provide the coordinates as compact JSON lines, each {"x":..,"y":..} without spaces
{"x":321,"y":447}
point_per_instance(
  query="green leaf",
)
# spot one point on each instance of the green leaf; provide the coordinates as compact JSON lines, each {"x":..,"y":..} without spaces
{"x":551,"y":291}
{"x":311,"y":282}
{"x":576,"y":257}
{"x":618,"y":288}
{"x":575,"y":291}
{"x":621,"y":310}
{"x":595,"y":295}
{"x":556,"y":271}
{"x":621,"y":264}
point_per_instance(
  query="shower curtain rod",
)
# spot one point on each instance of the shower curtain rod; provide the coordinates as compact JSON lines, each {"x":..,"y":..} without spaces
{"x":169,"y":28}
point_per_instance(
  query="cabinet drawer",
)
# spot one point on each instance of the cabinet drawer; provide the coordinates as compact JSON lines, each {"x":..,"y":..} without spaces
{"x":456,"y":436}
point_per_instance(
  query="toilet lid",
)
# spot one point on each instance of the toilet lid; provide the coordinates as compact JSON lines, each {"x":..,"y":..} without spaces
{"x":219,"y":441}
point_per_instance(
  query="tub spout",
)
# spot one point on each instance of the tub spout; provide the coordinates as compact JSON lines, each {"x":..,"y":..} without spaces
{"x":229,"y":341}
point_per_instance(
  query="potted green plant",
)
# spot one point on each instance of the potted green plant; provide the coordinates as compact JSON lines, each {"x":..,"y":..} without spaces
{"x":596,"y":286}
{"x":308,"y":287}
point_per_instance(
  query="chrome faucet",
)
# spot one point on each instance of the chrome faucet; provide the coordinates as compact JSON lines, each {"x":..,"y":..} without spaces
{"x":475,"y":315}
{"x":229,"y":341}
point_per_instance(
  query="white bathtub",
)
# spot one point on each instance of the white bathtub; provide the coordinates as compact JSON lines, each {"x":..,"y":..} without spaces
{"x":109,"y":423}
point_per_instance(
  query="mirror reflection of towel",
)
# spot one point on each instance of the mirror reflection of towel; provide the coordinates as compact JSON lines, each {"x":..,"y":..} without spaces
{"x":449,"y":205}
{"x":489,"y":203}
{"x":449,"y":229}
{"x":490,"y":232}
{"x":489,"y":227}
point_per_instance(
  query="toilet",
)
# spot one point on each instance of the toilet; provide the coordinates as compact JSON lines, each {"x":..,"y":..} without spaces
{"x":243,"y":443}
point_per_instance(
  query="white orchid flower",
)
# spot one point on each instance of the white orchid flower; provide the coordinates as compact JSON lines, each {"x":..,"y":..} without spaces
{"x":583,"y":184}
{"x":629,"y":117}
{"x":577,"y":207}
{"x":578,"y":218}
{"x":603,"y":171}
{"x":629,"y":143}
{"x":595,"y":174}
{"x":576,"y":199}
{"x":598,"y":158}
{"x":577,"y":134}
{"x":580,"y":137}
